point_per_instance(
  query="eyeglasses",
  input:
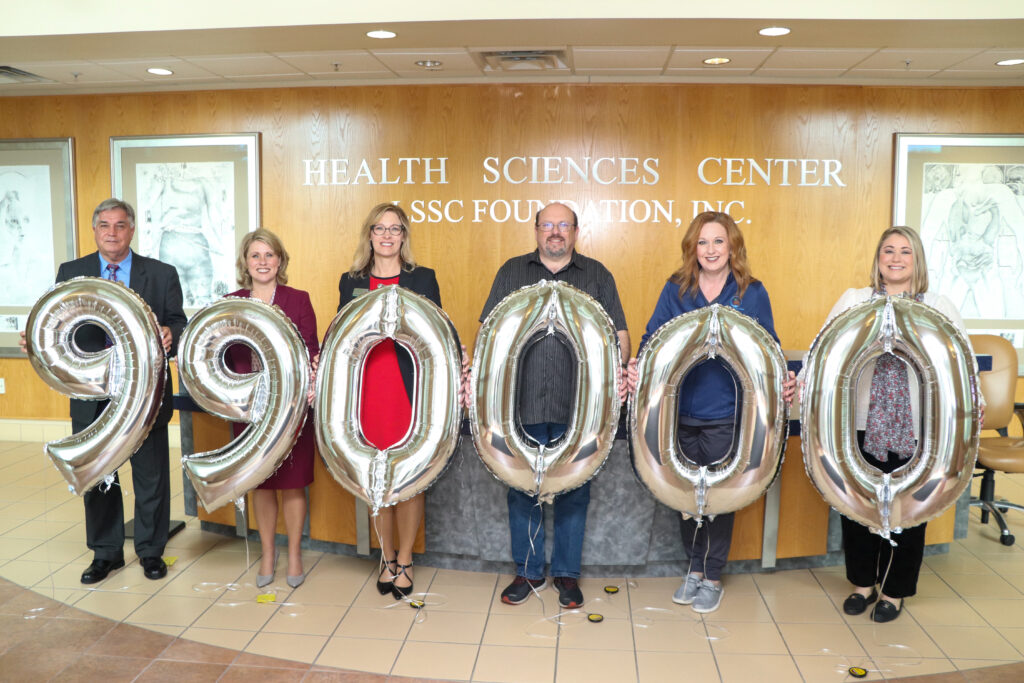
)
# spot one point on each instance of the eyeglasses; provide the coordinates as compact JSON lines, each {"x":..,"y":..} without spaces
{"x":562,"y":227}
{"x":389,"y":229}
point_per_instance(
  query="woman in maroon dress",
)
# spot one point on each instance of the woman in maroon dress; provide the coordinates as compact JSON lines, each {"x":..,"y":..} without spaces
{"x":384,"y":257}
{"x":262,"y":271}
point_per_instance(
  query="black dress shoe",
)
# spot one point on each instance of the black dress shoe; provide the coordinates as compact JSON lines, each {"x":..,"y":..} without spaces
{"x":98,"y":570}
{"x":885,"y":611}
{"x":857,"y":603}
{"x":153,"y":567}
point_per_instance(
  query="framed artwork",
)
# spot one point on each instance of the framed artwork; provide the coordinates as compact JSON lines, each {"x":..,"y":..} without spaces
{"x":965,"y":195}
{"x":195,"y":198}
{"x":37,"y":226}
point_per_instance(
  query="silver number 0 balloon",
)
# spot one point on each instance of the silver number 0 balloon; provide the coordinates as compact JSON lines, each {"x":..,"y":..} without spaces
{"x":545,"y":308}
{"x":272,"y":399}
{"x":130,"y":373}
{"x":756,"y":456}
{"x":941,"y":468}
{"x":389,"y":476}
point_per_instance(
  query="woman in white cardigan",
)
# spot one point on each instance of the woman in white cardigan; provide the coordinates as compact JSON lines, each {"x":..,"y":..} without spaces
{"x":888,"y":430}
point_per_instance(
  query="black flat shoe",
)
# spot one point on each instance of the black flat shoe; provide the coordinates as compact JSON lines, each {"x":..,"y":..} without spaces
{"x":385,"y":587}
{"x":857,"y":603}
{"x":153,"y":567}
{"x":98,"y":570}
{"x":402,"y":592}
{"x":885,"y":611}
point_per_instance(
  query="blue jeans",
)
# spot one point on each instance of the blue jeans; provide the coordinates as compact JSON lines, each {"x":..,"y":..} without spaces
{"x":526,"y":521}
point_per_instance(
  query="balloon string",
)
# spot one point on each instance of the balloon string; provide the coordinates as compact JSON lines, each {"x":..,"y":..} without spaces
{"x":532,"y":536}
{"x":421,"y":604}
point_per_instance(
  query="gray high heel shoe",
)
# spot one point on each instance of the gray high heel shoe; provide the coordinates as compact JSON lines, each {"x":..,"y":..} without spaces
{"x":264,"y":580}
{"x":296,"y":581}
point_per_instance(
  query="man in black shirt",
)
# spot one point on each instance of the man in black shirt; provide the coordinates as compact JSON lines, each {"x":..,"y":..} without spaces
{"x":545,"y":400}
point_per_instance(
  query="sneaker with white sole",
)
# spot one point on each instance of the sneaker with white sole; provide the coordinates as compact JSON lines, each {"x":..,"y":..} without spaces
{"x":709,"y":597}
{"x":685,"y":594}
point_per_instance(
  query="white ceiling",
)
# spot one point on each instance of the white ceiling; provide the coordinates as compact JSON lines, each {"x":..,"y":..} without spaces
{"x":925,"y":52}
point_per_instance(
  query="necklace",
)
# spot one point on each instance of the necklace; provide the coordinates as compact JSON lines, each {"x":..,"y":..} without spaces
{"x":252,"y":295}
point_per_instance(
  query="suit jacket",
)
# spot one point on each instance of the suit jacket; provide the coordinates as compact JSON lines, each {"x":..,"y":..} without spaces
{"x":296,"y":305}
{"x":420,"y":280}
{"x":158,"y":285}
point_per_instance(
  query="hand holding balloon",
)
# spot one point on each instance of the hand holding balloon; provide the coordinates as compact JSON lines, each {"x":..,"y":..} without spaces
{"x":130,"y":373}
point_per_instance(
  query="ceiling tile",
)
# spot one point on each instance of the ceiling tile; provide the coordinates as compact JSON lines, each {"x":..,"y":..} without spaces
{"x":816,"y":58}
{"x":88,"y":72}
{"x":1009,"y":73}
{"x":742,"y":57}
{"x":326,"y":63}
{"x":890,"y":73}
{"x":232,"y":66}
{"x":711,"y":72}
{"x":920,"y":60}
{"x":799,"y":73}
{"x":183,"y":71}
{"x":628,"y":58}
{"x":455,"y":62}
{"x":986,"y":61}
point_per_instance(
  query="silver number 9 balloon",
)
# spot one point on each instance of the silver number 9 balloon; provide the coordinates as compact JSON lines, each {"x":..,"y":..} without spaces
{"x":273,"y":400}
{"x":545,"y":308}
{"x":756,"y":456}
{"x":130,"y":373}
{"x":942,"y":466}
{"x":389,"y":476}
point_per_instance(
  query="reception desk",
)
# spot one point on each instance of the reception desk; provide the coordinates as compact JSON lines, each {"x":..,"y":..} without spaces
{"x":628,"y":532}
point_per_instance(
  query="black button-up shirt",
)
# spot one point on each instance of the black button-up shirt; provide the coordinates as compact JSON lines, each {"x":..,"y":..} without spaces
{"x":548,"y":376}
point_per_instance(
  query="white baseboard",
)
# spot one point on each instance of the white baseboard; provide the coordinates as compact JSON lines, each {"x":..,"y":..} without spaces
{"x":41,"y":431}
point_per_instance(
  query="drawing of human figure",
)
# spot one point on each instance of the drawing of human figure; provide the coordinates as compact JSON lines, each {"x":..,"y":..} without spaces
{"x":974,"y":227}
{"x":183,"y":210}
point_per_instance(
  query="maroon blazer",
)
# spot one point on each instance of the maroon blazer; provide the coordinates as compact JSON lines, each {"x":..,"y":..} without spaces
{"x":297,"y":469}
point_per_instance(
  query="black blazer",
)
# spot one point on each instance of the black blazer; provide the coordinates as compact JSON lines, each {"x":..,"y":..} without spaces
{"x":158,"y":285}
{"x":420,"y":280}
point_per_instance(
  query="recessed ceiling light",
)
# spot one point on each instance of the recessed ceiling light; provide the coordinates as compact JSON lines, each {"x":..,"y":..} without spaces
{"x":381,"y":33}
{"x":160,"y":71}
{"x":429,"y":64}
{"x":1009,"y":62}
{"x":717,"y":61}
{"x":773,"y":31}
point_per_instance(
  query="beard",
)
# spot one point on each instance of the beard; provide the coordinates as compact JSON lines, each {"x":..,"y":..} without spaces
{"x":555,"y":248}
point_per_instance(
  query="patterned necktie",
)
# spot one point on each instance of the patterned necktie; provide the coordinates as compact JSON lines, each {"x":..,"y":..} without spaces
{"x":111,"y":275}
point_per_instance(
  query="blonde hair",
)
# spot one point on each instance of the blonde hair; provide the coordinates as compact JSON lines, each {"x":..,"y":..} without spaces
{"x":362,"y":261}
{"x":276,"y":246}
{"x":686,"y":276}
{"x":919,"y":281}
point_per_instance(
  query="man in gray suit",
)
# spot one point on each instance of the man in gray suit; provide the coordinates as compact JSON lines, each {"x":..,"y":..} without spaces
{"x":113,"y":224}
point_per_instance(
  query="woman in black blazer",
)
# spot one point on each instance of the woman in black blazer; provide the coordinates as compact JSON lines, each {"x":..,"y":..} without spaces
{"x":384,"y":257}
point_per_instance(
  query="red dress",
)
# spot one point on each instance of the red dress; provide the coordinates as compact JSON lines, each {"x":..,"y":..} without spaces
{"x":385,"y":411}
{"x":296,"y":471}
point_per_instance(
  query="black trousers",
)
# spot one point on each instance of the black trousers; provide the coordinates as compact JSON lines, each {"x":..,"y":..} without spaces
{"x":151,"y":481}
{"x":868,"y":555}
{"x":707,"y":546}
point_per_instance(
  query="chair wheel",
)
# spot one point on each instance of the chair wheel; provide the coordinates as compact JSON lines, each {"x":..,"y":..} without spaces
{"x":1007,"y":540}
{"x":1002,"y":510}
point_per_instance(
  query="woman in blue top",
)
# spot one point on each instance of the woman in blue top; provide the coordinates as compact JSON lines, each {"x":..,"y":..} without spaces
{"x":714,"y":270}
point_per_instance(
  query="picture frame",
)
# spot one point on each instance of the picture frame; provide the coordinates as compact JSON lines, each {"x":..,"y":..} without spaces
{"x":37,"y":218}
{"x":195,"y":198}
{"x":965,"y":196}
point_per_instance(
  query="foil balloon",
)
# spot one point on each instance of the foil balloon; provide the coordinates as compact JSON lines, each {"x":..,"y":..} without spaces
{"x":384,"y":477}
{"x":755,"y":458}
{"x":941,"y":468}
{"x":273,"y":399}
{"x":513,"y":325}
{"x":130,"y":373}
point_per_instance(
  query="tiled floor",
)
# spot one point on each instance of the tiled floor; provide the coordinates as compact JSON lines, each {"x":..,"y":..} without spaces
{"x":786,"y":626}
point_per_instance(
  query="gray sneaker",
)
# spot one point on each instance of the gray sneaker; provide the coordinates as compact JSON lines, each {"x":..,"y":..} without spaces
{"x":685,"y":594}
{"x":709,"y":597}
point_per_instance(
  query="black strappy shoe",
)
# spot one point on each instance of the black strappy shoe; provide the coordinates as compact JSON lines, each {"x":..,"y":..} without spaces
{"x":385,"y":587}
{"x":401,"y":592}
